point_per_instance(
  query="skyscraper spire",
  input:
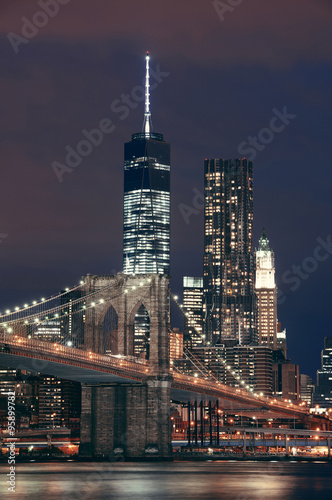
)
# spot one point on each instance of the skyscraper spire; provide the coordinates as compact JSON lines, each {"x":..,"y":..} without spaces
{"x":263,"y":242}
{"x":147,"y":124}
{"x":266,"y":292}
{"x":146,"y":214}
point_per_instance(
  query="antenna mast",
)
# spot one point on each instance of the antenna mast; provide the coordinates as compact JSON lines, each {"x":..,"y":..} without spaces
{"x":147,"y":124}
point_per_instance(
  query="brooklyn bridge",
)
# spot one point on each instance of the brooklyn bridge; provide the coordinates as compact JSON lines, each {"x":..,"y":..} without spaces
{"x":126,"y":399}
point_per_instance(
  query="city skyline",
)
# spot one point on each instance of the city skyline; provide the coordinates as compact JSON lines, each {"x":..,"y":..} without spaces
{"x":58,"y":231}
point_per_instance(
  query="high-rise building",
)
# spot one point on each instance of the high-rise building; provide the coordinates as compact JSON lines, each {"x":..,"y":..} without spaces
{"x":193,"y":309}
{"x":59,"y":401}
{"x":146,"y":225}
{"x":73,"y":318}
{"x":323,"y":390}
{"x":49,"y":331}
{"x":142,"y":333}
{"x":253,"y":364}
{"x":282,"y":340}
{"x":307,"y":387}
{"x":8,"y":378}
{"x":23,"y":383}
{"x":235,"y":365}
{"x":228,"y":259}
{"x":286,"y":377}
{"x":49,"y":397}
{"x":266,"y":292}
{"x":175,"y":344}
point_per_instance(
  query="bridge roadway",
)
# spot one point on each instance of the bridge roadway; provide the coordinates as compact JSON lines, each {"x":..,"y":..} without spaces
{"x":88,"y":367}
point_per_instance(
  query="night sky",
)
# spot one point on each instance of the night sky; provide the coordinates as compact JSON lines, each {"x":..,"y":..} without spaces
{"x":217,"y":82}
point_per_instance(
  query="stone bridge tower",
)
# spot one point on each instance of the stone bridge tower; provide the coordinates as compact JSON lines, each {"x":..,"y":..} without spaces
{"x":128,"y":419}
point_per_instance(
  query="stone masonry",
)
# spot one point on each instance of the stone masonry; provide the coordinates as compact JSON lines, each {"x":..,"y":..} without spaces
{"x":130,"y":420}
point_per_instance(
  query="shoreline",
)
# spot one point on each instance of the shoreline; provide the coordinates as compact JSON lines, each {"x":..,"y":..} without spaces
{"x":178,"y":458}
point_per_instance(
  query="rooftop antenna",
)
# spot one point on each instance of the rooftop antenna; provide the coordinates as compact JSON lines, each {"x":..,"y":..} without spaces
{"x":147,"y":124}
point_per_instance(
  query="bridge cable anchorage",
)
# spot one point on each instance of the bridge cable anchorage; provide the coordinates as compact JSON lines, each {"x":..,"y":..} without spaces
{"x":236,"y":376}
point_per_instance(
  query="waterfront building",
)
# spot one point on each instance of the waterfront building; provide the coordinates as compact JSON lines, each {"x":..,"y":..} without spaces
{"x":49,"y":398}
{"x":8,"y":379}
{"x":59,"y":402}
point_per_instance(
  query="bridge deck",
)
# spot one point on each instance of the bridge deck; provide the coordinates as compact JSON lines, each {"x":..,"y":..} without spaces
{"x":82,"y":366}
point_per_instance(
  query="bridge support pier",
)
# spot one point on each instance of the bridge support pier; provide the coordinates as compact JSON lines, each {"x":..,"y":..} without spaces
{"x":286,"y":445}
{"x":127,"y":420}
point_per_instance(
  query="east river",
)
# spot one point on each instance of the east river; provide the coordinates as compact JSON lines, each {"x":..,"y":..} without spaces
{"x":226,"y":480}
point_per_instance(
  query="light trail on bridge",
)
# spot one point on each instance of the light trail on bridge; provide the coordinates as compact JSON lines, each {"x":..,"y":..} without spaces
{"x":138,"y":370}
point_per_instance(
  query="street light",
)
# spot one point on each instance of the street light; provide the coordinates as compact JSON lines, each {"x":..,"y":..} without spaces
{"x":52,"y":417}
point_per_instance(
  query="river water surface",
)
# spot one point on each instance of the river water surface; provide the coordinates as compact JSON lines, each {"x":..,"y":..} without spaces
{"x":226,"y":480}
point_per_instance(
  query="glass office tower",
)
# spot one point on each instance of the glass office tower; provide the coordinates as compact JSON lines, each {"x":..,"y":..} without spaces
{"x":228,"y":260}
{"x":146,"y":226}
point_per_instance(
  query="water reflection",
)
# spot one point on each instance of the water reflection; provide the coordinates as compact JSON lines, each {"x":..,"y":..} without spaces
{"x":176,"y":480}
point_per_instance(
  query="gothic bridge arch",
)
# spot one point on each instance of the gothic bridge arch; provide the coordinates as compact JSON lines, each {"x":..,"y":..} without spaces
{"x":126,"y":294}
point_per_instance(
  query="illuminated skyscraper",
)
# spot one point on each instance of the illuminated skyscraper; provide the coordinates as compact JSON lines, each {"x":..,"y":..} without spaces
{"x":323,"y":389}
{"x":307,"y":387}
{"x":49,"y":331}
{"x":228,"y":261}
{"x":193,"y":308}
{"x":73,"y":319}
{"x":146,"y":226}
{"x":266,"y":291}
